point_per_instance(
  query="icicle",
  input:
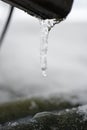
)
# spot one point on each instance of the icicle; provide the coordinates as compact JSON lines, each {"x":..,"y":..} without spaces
{"x":46,"y":26}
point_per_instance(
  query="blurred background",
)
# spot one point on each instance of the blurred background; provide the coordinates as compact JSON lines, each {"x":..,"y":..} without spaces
{"x":20,"y":72}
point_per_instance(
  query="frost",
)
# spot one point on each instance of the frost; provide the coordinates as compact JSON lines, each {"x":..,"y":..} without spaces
{"x":83,"y":111}
{"x":33,"y":105}
{"x":12,"y":124}
{"x":42,"y":114}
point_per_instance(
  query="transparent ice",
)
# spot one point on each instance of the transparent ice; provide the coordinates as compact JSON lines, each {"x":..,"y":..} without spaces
{"x":46,"y":26}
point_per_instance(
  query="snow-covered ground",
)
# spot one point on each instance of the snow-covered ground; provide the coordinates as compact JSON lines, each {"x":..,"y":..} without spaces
{"x":20,"y":74}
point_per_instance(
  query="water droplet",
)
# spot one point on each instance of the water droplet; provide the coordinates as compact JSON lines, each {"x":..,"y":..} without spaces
{"x":46,"y":26}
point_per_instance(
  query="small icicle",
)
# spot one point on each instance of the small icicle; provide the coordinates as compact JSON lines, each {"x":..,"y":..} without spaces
{"x":46,"y":26}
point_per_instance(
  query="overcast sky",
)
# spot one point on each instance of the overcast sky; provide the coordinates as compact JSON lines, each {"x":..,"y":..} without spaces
{"x":79,"y":11}
{"x":80,"y":3}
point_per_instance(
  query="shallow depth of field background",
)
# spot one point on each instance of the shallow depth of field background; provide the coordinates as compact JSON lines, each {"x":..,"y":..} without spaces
{"x":20,"y":73}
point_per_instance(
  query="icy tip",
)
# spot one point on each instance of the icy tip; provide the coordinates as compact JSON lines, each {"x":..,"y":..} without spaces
{"x":44,"y":73}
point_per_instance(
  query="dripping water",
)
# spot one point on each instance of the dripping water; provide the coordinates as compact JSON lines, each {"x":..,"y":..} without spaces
{"x":46,"y":26}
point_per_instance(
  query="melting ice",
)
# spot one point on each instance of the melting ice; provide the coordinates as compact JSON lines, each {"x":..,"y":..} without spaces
{"x":46,"y":26}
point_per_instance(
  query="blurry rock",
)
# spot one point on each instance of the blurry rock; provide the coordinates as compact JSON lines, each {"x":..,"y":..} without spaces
{"x":70,"y":119}
{"x":29,"y":107}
